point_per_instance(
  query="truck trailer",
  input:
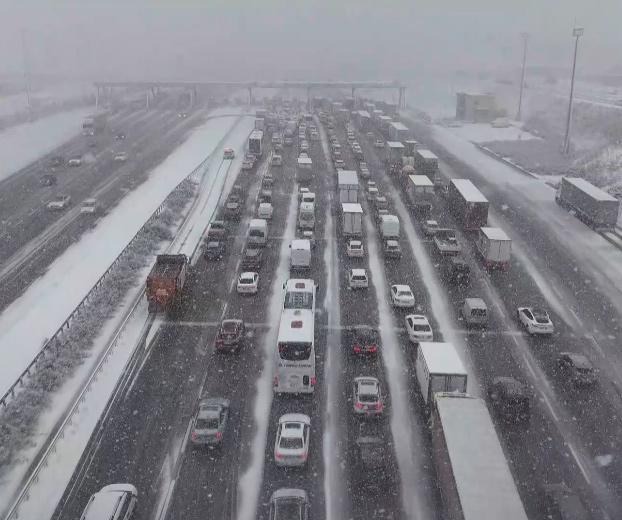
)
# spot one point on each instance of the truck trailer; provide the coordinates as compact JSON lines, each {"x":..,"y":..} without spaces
{"x":439,"y":369}
{"x":352,"y":223}
{"x":255,"y":143}
{"x":473,"y":474}
{"x":468,"y":204}
{"x":495,"y":247}
{"x":398,"y":131}
{"x":166,"y":281}
{"x":591,"y":205}
{"x":426,"y":163}
{"x":348,"y":185}
{"x":420,"y":192}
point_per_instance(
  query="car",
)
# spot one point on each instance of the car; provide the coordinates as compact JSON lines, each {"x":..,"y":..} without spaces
{"x":277,"y":160}
{"x":247,"y":164}
{"x":357,"y":279}
{"x":182,"y":115}
{"x":370,"y":136}
{"x":116,"y":501}
{"x":210,"y":422}
{"x":121,"y":157}
{"x":304,"y":146}
{"x":371,"y":457}
{"x":251,"y":157}
{"x":455,"y":270}
{"x":119,"y":137}
{"x":214,"y":250}
{"x":562,"y":503}
{"x":402,"y":296}
{"x":577,"y":369}
{"x":535,"y":320}
{"x":48,"y":180}
{"x":289,"y":503}
{"x":233,"y":207}
{"x":354,"y":249}
{"x":367,"y":399}
{"x":339,"y":164}
{"x":510,"y":399}
{"x":474,"y":312}
{"x":89,"y":207}
{"x":365,"y":173}
{"x":364,"y":339}
{"x":430,"y":227}
{"x":248,"y":283}
{"x":288,"y":141}
{"x":379,"y":143}
{"x":58,"y":203}
{"x":418,"y":328}
{"x":75,"y":161}
{"x":217,"y":230}
{"x":230,"y":335}
{"x":265,"y":210}
{"x":291,"y":446}
{"x":392,"y":249}
{"x":267,"y":182}
{"x":252,"y":258}
{"x":228,"y":153}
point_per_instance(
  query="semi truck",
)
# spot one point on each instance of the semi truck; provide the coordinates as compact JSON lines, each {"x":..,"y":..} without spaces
{"x":468,"y":204}
{"x":304,"y":172}
{"x":473,"y":474}
{"x":94,"y":124}
{"x":352,"y":215}
{"x":255,"y":143}
{"x":348,"y":185}
{"x":438,"y":368}
{"x":394,"y":152}
{"x":420,"y":192}
{"x":495,"y":247}
{"x":398,"y":131}
{"x":166,"y":281}
{"x":426,"y":163}
{"x":590,"y":204}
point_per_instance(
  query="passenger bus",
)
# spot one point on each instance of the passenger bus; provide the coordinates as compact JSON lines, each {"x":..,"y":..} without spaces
{"x":295,"y":348}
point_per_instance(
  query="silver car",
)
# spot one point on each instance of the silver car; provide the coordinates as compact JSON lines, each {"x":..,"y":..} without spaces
{"x":210,"y":421}
{"x":288,"y":503}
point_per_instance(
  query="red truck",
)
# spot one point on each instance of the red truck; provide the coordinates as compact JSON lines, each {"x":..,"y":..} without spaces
{"x":165,"y":282}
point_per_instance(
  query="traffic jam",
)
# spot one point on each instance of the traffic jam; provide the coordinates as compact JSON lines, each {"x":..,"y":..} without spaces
{"x":357,"y":340}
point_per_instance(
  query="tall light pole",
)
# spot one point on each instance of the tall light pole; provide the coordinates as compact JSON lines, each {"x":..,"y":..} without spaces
{"x":26,"y":70}
{"x":525,"y":37}
{"x":577,"y":32}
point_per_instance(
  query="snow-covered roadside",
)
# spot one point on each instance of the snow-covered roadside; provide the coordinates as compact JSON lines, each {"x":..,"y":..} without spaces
{"x":44,"y":98}
{"x":485,"y":132}
{"x":249,"y":483}
{"x":62,"y":462}
{"x":38,"y":313}
{"x":23,"y":144}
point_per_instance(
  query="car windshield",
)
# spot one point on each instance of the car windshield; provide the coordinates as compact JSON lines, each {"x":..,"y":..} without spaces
{"x":206,"y":424}
{"x":291,"y":443}
{"x":287,"y":509}
{"x":368,"y":398}
{"x":421,"y":327}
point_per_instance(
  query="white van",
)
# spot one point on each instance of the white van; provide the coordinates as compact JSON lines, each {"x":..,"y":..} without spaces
{"x":258,"y":232}
{"x":265,"y":210}
{"x":300,"y":254}
{"x":306,"y":215}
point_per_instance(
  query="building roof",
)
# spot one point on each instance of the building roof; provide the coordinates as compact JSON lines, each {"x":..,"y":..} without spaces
{"x":421,"y":180}
{"x":426,"y":154}
{"x":347,"y":177}
{"x":395,"y":144}
{"x":351,"y":207}
{"x":441,"y":358}
{"x":590,"y":189}
{"x":485,"y":485}
{"x":468,"y":190}
{"x":494,"y":233}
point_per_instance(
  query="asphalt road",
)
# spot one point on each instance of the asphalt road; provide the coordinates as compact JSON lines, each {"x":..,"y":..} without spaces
{"x":32,"y":236}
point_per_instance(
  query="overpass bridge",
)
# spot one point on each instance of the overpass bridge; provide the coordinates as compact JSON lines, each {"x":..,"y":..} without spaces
{"x":192,"y":86}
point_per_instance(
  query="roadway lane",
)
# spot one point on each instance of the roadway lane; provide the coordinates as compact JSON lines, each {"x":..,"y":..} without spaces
{"x":140,"y":439}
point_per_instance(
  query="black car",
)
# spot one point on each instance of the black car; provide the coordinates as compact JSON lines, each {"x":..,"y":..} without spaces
{"x":48,"y":180}
{"x":364,"y":340}
{"x":564,"y":504}
{"x":252,"y":259}
{"x":372,"y":457}
{"x":214,"y":250}
{"x":455,"y":271}
{"x":576,"y":369}
{"x":510,"y":399}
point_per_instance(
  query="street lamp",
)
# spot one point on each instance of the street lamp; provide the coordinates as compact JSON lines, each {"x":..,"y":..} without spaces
{"x":525,"y":37}
{"x":577,"y":32}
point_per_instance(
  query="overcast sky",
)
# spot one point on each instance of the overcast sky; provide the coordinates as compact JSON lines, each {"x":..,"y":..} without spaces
{"x":348,"y":39}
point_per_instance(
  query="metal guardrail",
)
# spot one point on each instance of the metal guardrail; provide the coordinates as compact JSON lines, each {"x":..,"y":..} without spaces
{"x":13,"y":512}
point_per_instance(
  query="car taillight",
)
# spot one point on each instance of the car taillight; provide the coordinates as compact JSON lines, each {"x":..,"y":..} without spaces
{"x":219,"y":341}
{"x":357,"y":349}
{"x":194,"y":436}
{"x":219,"y":435}
{"x":378,"y":406}
{"x":358,"y":406}
{"x":278,"y":456}
{"x":313,"y":381}
{"x":373,"y":348}
{"x":275,"y":381}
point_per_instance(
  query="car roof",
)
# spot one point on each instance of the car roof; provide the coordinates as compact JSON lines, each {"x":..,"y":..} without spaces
{"x":400,"y":287}
{"x":104,"y":502}
{"x":248,"y":274}
{"x":367,"y":382}
{"x":294,"y":417}
{"x":359,"y":272}
{"x":418,"y":318}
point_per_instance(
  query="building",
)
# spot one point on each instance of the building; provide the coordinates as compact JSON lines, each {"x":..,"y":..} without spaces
{"x":479,"y":108}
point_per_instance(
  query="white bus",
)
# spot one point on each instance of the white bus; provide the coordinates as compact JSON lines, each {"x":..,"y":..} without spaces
{"x":295,"y":349}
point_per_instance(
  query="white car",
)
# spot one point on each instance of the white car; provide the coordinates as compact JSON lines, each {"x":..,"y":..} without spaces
{"x":354,"y":249}
{"x":291,"y":447}
{"x":265,"y":210}
{"x":229,"y":153}
{"x":339,"y":164}
{"x":89,"y":206}
{"x":247,"y":164}
{"x":121,"y":157}
{"x":418,"y":328}
{"x":75,"y":161}
{"x":277,"y":160}
{"x":535,"y":320}
{"x":402,"y":296}
{"x":59,"y":203}
{"x":379,"y":143}
{"x":248,"y":283}
{"x":367,"y":397}
{"x":357,"y":279}
{"x":113,"y":501}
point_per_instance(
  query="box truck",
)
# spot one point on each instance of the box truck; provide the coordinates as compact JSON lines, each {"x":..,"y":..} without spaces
{"x":468,"y":204}
{"x":495,"y":247}
{"x":591,"y":205}
{"x":438,"y":368}
{"x":352,"y":219}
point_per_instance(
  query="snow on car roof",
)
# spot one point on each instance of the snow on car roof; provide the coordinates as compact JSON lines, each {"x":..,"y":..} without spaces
{"x":426,"y":154}
{"x":494,"y":233}
{"x":351,"y":207}
{"x":304,"y":160}
{"x":468,"y":190}
{"x":441,"y":358}
{"x":359,"y":272}
{"x":590,"y":189}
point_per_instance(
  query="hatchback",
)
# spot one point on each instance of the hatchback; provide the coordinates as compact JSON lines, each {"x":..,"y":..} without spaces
{"x":367,"y":397}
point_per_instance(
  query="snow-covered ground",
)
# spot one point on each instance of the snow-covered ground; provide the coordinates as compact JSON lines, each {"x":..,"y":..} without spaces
{"x":44,"y":97}
{"x":23,"y":144}
{"x":38,"y":313}
{"x":61,"y":464}
{"x":484,"y":132}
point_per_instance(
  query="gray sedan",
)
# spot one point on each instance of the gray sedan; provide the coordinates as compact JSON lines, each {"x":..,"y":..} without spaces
{"x":210,"y":421}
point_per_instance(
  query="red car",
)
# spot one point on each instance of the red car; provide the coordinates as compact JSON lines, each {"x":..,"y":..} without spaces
{"x":230,"y":335}
{"x":364,"y":340}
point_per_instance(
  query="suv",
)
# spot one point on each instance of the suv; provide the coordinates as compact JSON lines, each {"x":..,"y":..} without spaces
{"x":114,"y":501}
{"x":510,"y":399}
{"x":233,"y":207}
{"x":372,"y":457}
{"x":214,"y":250}
{"x":364,"y":339}
{"x":455,"y":271}
{"x":252,"y":259}
{"x":230,"y":335}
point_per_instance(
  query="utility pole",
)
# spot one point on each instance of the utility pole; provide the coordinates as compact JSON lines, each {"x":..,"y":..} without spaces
{"x":577,"y":32}
{"x":26,"y":71}
{"x":525,"y":37}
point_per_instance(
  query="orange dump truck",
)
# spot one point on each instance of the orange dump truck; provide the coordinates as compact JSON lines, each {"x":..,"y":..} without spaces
{"x":165,"y":282}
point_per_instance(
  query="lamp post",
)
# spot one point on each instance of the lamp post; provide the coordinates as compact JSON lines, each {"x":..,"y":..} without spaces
{"x":577,"y":32}
{"x":525,"y":37}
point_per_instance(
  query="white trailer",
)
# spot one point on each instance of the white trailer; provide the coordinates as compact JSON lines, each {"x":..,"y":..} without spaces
{"x":398,"y":131}
{"x":389,"y":227}
{"x":420,"y":192}
{"x":304,"y":172}
{"x":352,"y":223}
{"x":439,"y":369}
{"x":348,"y":185}
{"x":255,"y":143}
{"x":495,"y":247}
{"x":473,"y":474}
